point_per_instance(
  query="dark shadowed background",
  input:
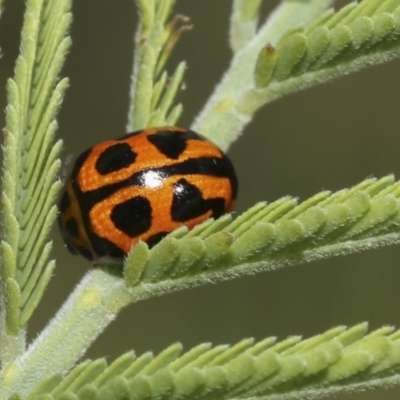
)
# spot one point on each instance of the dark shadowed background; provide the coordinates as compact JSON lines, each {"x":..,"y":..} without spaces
{"x":329,"y":137}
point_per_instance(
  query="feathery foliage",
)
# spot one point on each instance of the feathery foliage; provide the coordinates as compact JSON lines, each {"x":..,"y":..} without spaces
{"x":269,"y":236}
{"x":31,"y":163}
{"x":279,"y":59}
{"x":337,"y":358}
{"x":357,"y":36}
{"x":301,"y":44}
{"x":152,"y":95}
{"x":263,"y":238}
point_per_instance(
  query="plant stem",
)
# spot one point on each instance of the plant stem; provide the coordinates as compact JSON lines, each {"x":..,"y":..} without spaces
{"x":221,"y":120}
{"x":11,"y":346}
{"x":89,"y":309}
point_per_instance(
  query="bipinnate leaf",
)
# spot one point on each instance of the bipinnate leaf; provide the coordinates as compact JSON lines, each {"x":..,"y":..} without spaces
{"x":269,"y":236}
{"x":31,"y":164}
{"x":265,"y":237}
{"x":301,"y":44}
{"x":327,"y":363}
{"x":358,"y":35}
{"x":152,"y":93}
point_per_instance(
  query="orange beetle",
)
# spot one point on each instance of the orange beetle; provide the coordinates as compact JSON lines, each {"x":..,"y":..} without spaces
{"x":141,"y":187}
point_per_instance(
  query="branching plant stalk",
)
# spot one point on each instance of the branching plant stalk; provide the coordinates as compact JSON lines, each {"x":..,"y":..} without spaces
{"x":221,"y":120}
{"x":265,"y":237}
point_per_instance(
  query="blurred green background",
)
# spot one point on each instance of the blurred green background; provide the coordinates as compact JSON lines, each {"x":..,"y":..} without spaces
{"x":329,"y":137}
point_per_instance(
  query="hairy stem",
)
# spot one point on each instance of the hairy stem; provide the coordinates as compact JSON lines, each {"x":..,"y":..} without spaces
{"x":220,"y":120}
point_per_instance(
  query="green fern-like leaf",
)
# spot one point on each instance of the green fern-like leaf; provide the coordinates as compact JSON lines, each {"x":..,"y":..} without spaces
{"x":301,"y":45}
{"x":326,"y":363}
{"x":356,"y":36}
{"x":31,"y":164}
{"x":269,"y":236}
{"x":266,"y":237}
{"x":152,"y":96}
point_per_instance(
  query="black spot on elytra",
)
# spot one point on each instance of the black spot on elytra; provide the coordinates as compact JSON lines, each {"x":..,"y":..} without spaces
{"x":65,"y":201}
{"x":71,"y":227}
{"x":188,"y":203}
{"x":217,"y":206}
{"x":114,"y":158}
{"x":104,"y":248}
{"x":172,"y":143}
{"x":85,"y":253}
{"x":154,"y":239}
{"x":133,"y":216}
{"x":65,"y":236}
